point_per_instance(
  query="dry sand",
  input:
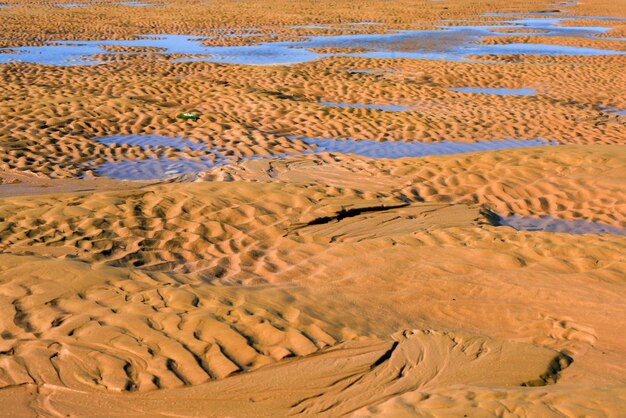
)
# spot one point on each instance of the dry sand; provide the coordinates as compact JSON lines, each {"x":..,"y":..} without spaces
{"x":317,"y":284}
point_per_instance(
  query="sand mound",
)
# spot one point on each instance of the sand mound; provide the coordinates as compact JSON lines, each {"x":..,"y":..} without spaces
{"x":566,"y":182}
{"x":227,"y":231}
{"x":358,"y":224}
{"x":426,"y":359}
{"x":76,"y":326}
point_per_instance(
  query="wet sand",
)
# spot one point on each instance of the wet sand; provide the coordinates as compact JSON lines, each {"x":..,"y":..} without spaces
{"x":343,"y":236}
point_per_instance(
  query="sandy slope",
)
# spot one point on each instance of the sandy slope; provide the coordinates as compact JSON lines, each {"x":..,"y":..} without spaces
{"x":125,"y":294}
{"x":128,"y":331}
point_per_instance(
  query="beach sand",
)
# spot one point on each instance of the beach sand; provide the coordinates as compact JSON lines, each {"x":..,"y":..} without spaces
{"x":284,"y":280}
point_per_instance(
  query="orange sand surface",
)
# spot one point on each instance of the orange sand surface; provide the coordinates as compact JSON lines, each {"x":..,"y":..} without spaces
{"x":310,"y":283}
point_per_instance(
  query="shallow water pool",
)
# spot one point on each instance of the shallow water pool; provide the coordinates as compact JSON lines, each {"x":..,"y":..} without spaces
{"x":548,"y":224}
{"x":158,"y":168}
{"x":452,"y":43}
{"x":151,"y":140}
{"x":615,"y":111}
{"x":388,"y":149}
{"x":154,"y":168}
{"x":137,"y":4}
{"x":495,"y":91}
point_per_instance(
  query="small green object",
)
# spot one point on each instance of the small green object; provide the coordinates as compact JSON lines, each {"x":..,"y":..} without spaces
{"x":188,"y":116}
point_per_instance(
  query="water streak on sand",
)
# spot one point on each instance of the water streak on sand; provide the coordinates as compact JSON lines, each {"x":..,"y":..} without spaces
{"x":495,"y":91}
{"x":548,"y":224}
{"x":154,"y":168}
{"x":138,"y":4}
{"x":615,"y":111}
{"x":151,"y":141}
{"x":72,"y":4}
{"x":367,"y":71}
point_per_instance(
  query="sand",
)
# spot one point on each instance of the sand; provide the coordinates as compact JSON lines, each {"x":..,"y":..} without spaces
{"x":124,"y":292}
{"x":286,"y":281}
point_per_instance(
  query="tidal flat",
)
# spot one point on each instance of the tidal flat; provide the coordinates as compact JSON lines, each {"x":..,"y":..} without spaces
{"x":261,"y":208}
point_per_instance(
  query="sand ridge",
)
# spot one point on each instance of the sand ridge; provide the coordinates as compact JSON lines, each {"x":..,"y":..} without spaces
{"x":124,"y":330}
{"x":567,"y":182}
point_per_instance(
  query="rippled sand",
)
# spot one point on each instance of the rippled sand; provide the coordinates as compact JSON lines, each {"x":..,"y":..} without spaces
{"x":257,"y":272}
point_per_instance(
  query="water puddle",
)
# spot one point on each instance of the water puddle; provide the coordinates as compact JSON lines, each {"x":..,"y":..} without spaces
{"x":388,"y":108}
{"x":82,"y":52}
{"x":615,"y":111}
{"x":548,"y":50}
{"x":495,"y":91}
{"x":137,"y":4}
{"x":452,"y":43}
{"x":548,"y":224}
{"x":314,"y":27}
{"x":366,"y":71}
{"x":159,"y":168}
{"x":566,"y":4}
{"x":365,"y":23}
{"x":151,"y":141}
{"x":153,"y":168}
{"x":388,"y":149}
